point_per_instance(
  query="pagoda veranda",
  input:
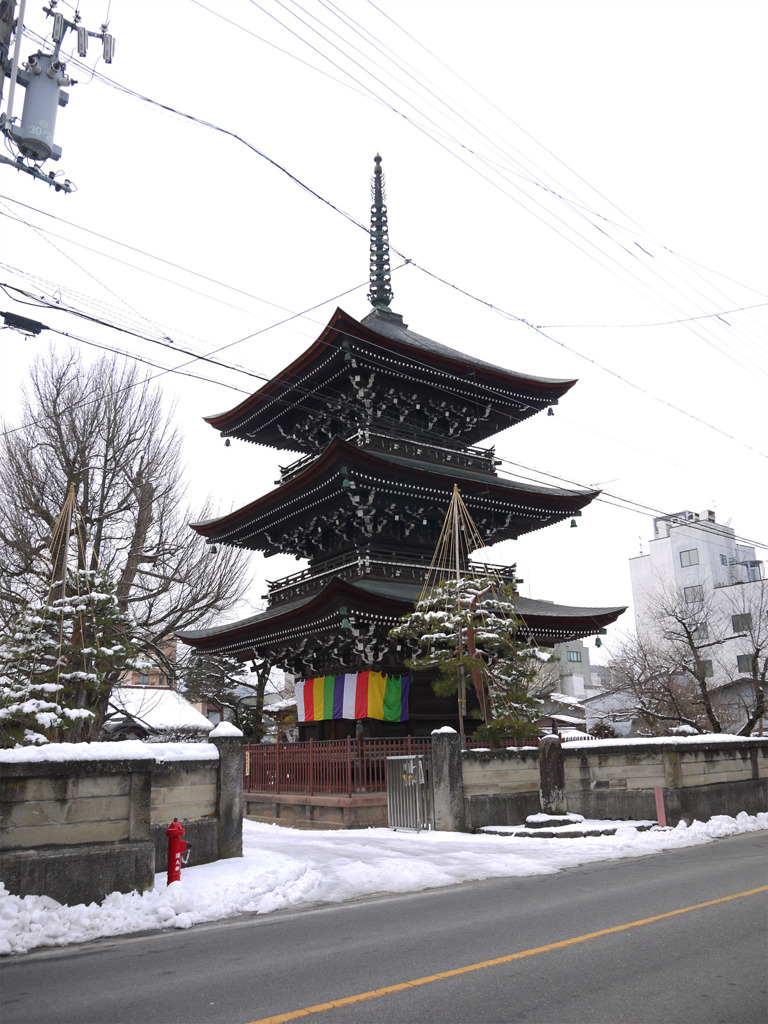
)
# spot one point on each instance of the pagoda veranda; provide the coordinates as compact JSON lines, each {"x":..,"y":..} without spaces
{"x":385,"y":423}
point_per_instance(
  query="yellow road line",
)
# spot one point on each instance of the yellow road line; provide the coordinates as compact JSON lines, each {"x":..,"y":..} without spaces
{"x":377,"y":993}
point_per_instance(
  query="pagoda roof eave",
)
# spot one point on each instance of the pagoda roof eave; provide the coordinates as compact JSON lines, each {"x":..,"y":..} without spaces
{"x":560,"y":502}
{"x":334,"y":594}
{"x":392,"y":328}
{"x":279,"y":382}
{"x":377,"y":327}
{"x":531,"y":610}
{"x":393,"y":597}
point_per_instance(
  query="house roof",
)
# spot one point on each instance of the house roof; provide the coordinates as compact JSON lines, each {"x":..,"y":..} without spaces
{"x":158,"y":709}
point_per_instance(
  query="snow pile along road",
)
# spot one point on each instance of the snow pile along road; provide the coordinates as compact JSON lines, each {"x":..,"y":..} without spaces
{"x":284,"y":868}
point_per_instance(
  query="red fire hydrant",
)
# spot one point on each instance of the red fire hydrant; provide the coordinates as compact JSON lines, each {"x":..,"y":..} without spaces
{"x":176,"y":847}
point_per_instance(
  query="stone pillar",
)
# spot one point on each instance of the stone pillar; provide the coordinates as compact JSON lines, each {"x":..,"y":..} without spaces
{"x":229,"y":789}
{"x":552,"y":776}
{"x":447,"y":781}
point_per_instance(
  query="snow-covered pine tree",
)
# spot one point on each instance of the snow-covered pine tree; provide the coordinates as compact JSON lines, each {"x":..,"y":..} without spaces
{"x":60,"y":660}
{"x":468,"y":625}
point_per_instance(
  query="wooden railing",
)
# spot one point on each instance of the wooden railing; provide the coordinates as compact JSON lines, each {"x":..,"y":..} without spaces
{"x":330,"y":766}
{"x":339,"y":767}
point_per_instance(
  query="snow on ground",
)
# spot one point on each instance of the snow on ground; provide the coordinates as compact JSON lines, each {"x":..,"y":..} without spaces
{"x":284,"y":867}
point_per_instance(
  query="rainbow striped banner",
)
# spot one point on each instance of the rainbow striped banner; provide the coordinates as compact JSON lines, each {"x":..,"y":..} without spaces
{"x":355,"y":695}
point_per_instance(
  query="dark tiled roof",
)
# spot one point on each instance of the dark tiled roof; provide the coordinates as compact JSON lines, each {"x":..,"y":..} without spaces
{"x":405,"y":593}
{"x":391,"y":326}
{"x":558,"y":501}
{"x":525,"y":393}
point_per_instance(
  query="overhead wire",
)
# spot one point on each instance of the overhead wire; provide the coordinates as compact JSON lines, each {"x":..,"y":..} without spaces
{"x":550,"y":153}
{"x":83,"y":270}
{"x":158,"y":259}
{"x":31,"y":300}
{"x":108,"y":81}
{"x":556,"y":341}
{"x":303,"y":185}
{"x":718,"y":314}
{"x":494,"y":184}
{"x":708,"y":340}
{"x":512,"y":316}
{"x":442,"y":280}
{"x":539,"y":330}
{"x":293,"y":56}
{"x":605,"y":497}
{"x":415,"y":361}
{"x":630,"y":252}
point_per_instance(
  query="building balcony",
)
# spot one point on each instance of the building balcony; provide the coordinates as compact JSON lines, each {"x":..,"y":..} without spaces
{"x":373,"y":565}
{"x":479,"y":459}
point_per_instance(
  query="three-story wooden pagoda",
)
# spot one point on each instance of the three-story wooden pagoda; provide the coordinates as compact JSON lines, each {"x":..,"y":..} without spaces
{"x":385,"y":421}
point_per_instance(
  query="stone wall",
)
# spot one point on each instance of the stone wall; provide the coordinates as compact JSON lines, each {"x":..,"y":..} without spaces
{"x":185,"y":790}
{"x":78,"y":821}
{"x":363,"y":810}
{"x":604,"y":779}
{"x":698,"y":777}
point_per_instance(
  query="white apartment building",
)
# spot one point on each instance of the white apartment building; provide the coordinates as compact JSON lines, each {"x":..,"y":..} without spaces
{"x":578,"y":677}
{"x":693,"y":556}
{"x":689,"y":548}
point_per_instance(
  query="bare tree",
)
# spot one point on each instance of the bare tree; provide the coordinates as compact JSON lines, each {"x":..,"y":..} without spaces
{"x":649,"y":689}
{"x":747,"y":607}
{"x":545,"y":675}
{"x":102,"y":430}
{"x":701,"y":660}
{"x":235,"y":689}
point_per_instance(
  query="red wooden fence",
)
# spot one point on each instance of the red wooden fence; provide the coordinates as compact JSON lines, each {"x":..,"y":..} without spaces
{"x":340,"y":767}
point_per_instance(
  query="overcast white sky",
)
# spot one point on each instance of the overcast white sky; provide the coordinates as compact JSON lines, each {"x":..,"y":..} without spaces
{"x":593,"y":169}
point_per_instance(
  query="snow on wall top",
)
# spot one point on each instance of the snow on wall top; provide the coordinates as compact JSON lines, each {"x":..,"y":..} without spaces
{"x":224,"y":729}
{"x":133,"y":750}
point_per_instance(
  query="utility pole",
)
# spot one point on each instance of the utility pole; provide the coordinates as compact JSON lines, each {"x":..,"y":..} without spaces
{"x":43,"y":77}
{"x":7,"y":11}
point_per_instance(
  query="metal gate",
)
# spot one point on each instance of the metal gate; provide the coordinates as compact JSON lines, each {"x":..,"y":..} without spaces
{"x":409,"y":792}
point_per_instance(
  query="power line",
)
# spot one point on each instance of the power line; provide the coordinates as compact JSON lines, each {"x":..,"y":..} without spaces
{"x":142,"y":252}
{"x":437,"y":277}
{"x":496,"y":309}
{"x":543,"y":147}
{"x":423,"y":269}
{"x":617,"y":501}
{"x":661,"y":323}
{"x":631,"y":253}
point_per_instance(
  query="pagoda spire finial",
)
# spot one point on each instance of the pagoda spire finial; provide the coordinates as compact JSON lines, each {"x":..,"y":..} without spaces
{"x":380,"y":295}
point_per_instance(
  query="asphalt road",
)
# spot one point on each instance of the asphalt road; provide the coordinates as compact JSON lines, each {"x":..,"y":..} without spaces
{"x":694,"y":951}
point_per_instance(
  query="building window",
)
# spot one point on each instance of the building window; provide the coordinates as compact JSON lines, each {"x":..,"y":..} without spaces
{"x":741,"y":623}
{"x":744,"y":662}
{"x":695,"y":593}
{"x":708,"y":670}
{"x":143,"y":679}
{"x":690,"y":557}
{"x":723,"y":560}
{"x":701,"y":632}
{"x":574,"y":655}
